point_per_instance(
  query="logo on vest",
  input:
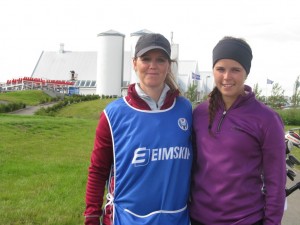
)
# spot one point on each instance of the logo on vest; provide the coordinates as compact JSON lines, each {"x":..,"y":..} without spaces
{"x":143,"y":156}
{"x":183,"y":124}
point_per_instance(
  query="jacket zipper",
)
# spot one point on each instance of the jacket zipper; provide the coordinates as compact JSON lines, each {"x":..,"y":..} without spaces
{"x":221,"y":120}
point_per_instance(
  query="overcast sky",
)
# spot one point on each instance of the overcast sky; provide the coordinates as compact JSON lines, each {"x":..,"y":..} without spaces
{"x":271,"y":27}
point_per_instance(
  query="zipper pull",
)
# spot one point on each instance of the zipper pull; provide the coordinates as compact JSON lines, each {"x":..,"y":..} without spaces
{"x":221,"y":120}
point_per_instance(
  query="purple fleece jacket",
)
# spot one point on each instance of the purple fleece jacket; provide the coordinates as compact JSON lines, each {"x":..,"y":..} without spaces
{"x":245,"y":151}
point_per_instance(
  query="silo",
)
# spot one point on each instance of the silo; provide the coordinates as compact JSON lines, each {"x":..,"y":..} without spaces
{"x":110,"y":54}
{"x":134,"y":38}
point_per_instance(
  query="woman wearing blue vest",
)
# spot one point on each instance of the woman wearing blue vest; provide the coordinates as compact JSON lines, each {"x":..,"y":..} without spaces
{"x":240,"y":173}
{"x":142,"y":148}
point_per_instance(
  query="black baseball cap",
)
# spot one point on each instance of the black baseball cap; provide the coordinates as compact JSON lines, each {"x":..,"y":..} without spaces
{"x":152,"y":41}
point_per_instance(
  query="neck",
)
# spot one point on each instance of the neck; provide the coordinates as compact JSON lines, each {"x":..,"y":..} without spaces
{"x":228,"y":102}
{"x":153,"y":92}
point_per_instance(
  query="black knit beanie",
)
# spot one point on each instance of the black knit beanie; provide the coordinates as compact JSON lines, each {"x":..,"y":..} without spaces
{"x":233,"y":48}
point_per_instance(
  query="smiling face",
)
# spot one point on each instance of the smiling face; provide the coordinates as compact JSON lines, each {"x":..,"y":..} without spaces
{"x":229,"y":78}
{"x":152,"y":69}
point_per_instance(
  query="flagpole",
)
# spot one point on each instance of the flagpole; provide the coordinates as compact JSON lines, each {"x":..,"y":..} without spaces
{"x":266,"y":92}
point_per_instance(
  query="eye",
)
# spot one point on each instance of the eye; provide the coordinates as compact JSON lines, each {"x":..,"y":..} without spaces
{"x":145,"y":59}
{"x":161,"y":60}
{"x":236,"y":69}
{"x":220,"y":69}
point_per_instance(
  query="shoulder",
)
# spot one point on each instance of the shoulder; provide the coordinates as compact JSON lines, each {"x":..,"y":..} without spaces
{"x":201,"y":108}
{"x":264,"y":109}
{"x":183,"y":100}
{"x":115,"y":103}
{"x":266,"y":115}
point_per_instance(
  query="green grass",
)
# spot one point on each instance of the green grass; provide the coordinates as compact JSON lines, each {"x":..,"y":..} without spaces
{"x":84,"y":110}
{"x":29,"y":97}
{"x":43,"y":169}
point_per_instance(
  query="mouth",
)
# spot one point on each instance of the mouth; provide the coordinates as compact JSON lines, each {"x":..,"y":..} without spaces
{"x":152,"y":74}
{"x":227,"y":85}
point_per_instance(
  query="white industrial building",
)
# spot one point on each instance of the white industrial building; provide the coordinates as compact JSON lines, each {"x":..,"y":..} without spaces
{"x":108,"y":70}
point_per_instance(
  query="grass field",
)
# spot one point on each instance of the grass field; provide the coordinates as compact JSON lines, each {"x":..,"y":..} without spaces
{"x":43,"y":165}
{"x":43,"y":169}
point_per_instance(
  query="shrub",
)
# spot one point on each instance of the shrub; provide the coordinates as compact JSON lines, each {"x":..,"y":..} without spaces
{"x":10,"y":107}
{"x":290,"y":116}
{"x":50,"y":111}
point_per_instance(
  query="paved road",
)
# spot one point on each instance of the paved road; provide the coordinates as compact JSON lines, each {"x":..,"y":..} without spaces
{"x":292,"y":214}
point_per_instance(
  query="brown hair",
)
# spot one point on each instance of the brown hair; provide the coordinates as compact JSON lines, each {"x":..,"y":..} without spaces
{"x":214,"y":97}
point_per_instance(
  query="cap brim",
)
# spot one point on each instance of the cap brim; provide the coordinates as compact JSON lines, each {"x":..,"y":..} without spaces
{"x":144,"y":50}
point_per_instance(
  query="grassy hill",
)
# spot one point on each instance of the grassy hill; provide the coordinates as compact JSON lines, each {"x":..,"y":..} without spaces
{"x":29,"y":97}
{"x":43,"y":169}
{"x":44,"y":162}
{"x":84,"y":110}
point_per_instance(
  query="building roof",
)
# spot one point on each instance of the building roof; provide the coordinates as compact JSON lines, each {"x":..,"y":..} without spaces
{"x":111,"y":33}
{"x":57,"y":65}
{"x":141,"y":32}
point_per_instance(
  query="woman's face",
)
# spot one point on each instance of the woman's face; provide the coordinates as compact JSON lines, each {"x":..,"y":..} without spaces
{"x":229,"y":78}
{"x":152,"y":69}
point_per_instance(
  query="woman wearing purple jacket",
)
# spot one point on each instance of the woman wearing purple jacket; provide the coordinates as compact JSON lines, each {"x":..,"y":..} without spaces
{"x":239,"y":172}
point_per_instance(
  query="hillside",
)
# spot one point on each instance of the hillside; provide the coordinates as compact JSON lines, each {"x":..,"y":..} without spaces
{"x":28,"y":97}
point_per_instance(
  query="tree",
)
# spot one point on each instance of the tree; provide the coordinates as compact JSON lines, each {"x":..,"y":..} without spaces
{"x":296,"y":94}
{"x":277,"y":99}
{"x":257,"y":91}
{"x":192,"y":93}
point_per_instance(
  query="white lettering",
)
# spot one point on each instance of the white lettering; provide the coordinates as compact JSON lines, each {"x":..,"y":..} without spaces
{"x":142,"y":156}
{"x":154,"y":154}
{"x":176,"y":152}
{"x":167,"y":153}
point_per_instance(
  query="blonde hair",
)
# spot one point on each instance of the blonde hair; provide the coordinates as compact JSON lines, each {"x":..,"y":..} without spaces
{"x":170,"y":79}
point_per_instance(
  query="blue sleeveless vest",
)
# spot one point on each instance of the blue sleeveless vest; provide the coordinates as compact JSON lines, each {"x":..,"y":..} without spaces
{"x":152,"y":163}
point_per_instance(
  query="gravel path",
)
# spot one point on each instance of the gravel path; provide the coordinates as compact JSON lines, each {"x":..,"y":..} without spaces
{"x":30,"y":110}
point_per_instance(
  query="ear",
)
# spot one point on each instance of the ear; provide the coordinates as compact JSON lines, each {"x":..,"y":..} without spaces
{"x":134,"y":64}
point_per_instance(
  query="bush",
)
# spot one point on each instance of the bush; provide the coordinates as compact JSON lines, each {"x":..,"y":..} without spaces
{"x":290,"y":116}
{"x":50,"y":111}
{"x":10,"y":107}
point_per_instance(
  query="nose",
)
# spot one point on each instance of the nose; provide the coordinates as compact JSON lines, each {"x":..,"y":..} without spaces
{"x":226,"y":75}
{"x":153,"y":64}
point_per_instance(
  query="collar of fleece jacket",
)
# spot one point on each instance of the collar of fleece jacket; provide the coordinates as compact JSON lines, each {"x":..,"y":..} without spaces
{"x":134,"y":100}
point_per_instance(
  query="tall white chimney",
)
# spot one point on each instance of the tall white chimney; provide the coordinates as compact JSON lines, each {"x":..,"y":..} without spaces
{"x":61,"y":48}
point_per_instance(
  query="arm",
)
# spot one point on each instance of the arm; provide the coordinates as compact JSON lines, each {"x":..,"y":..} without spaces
{"x":274,"y":169}
{"x":98,"y":173}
